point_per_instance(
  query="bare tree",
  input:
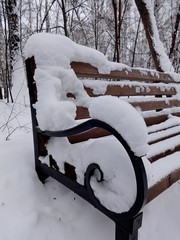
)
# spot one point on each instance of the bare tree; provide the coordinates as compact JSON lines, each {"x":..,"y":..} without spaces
{"x":2,"y":56}
{"x":12,"y":40}
{"x":47,"y":16}
{"x":62,"y":5}
{"x":12,"y":18}
{"x":176,"y":59}
{"x":146,"y":11}
{"x":5,"y":67}
{"x":174,"y":35}
{"x":117,"y":27}
{"x":135,"y":43}
{"x":119,"y":10}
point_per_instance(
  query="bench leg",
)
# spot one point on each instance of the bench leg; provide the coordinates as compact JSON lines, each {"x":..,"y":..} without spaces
{"x":41,"y":175}
{"x":128,"y":230}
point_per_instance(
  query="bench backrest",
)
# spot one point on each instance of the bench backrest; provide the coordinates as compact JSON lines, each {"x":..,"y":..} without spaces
{"x":148,"y":90}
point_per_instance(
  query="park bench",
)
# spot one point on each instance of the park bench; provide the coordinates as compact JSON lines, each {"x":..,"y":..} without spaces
{"x":154,"y":95}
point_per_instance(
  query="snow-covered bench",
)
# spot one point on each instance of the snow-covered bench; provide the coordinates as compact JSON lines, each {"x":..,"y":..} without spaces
{"x":95,"y":144}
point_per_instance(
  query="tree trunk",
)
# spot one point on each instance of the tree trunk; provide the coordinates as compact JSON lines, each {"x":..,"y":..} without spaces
{"x":12,"y":17}
{"x":160,"y":58}
{"x":176,"y":27}
{"x":1,"y":96}
{"x":2,"y":56}
{"x":117,"y":28}
{"x":13,"y":40}
{"x":47,"y":16}
{"x":135,"y":43}
{"x":5,"y":59}
{"x":64,"y":18}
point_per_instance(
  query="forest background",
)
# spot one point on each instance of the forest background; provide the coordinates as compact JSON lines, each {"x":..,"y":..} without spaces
{"x":119,"y":29}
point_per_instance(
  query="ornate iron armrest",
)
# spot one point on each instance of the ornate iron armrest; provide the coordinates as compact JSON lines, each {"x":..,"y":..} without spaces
{"x":86,"y":191}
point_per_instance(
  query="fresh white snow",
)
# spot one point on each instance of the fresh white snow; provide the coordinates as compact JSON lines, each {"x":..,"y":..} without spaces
{"x":124,"y":118}
{"x":30,"y":210}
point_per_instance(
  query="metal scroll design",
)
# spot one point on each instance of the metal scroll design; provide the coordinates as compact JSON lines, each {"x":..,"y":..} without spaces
{"x":86,"y":191}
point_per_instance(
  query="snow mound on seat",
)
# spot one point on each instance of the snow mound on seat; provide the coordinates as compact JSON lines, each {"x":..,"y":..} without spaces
{"x":124,"y":118}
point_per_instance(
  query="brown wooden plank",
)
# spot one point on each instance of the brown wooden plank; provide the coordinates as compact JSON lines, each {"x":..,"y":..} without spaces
{"x":82,"y":113}
{"x":94,"y":133}
{"x":163,"y":138}
{"x":164,"y":154}
{"x":155,"y":119}
{"x":86,"y":70}
{"x":164,"y":128}
{"x":115,"y":90}
{"x":162,"y":185}
{"x":155,"y":105}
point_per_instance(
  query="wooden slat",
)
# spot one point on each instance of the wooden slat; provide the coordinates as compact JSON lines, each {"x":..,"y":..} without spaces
{"x":162,"y":138}
{"x":86,"y":70}
{"x":155,"y":119}
{"x":159,"y":118}
{"x":162,"y":185}
{"x":164,"y":154}
{"x":155,"y":105}
{"x":94,"y":133}
{"x":162,"y":127}
{"x":132,"y":91}
{"x":82,"y":113}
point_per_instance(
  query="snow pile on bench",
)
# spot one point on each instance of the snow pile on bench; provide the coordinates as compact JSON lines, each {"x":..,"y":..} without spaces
{"x":55,"y":79}
{"x":55,"y":111}
{"x":124,"y":118}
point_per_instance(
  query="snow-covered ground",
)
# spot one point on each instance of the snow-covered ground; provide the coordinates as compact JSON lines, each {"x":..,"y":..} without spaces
{"x":30,"y":210}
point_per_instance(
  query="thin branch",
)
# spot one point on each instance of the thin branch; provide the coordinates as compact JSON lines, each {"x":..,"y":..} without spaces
{"x":46,"y":14}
